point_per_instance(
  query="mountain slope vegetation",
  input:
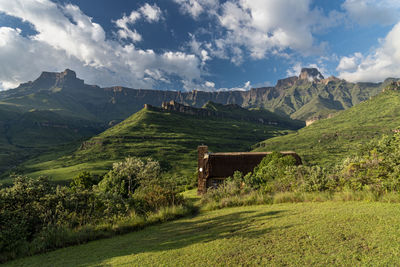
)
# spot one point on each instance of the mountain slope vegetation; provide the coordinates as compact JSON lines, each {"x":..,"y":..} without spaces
{"x":329,"y":141}
{"x":170,"y":137}
{"x":58,"y":110}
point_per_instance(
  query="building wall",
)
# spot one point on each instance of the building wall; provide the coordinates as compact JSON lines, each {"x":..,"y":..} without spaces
{"x":215,"y":167}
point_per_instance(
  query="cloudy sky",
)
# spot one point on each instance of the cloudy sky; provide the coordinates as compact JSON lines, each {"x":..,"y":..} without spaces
{"x":198,"y":44}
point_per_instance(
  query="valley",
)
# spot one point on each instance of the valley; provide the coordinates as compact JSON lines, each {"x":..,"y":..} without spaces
{"x":59,"y":111}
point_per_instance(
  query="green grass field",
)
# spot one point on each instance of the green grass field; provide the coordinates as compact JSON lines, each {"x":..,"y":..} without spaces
{"x":303,"y":234}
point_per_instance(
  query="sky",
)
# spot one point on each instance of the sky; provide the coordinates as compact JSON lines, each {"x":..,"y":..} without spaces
{"x":198,"y":44}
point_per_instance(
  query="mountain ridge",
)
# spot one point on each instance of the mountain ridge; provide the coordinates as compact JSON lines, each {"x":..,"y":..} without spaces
{"x":116,"y":103}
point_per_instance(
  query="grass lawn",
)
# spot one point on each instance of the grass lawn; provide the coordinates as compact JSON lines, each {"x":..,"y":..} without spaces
{"x":328,"y":233}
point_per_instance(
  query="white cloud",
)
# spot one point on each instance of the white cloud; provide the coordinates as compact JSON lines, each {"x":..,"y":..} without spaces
{"x":382,"y":63}
{"x":247,"y":86}
{"x":196,"y":7}
{"x":209,"y":84}
{"x":260,"y":28}
{"x":199,"y":49}
{"x":125,"y":32}
{"x":151,"y":13}
{"x":350,"y":63}
{"x":67,"y":38}
{"x":366,"y":12}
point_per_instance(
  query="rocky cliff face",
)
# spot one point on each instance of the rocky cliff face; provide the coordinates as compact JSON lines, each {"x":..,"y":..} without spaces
{"x":65,"y":79}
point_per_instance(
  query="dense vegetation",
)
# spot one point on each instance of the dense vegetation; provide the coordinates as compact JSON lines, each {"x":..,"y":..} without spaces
{"x":169,"y":137}
{"x":36,"y":215}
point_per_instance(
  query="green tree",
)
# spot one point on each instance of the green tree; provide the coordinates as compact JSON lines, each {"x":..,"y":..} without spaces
{"x":128,"y":175}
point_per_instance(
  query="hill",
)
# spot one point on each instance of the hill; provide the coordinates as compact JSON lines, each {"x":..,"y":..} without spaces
{"x":57,"y":110}
{"x":302,"y":234}
{"x":329,"y":141}
{"x":301,"y":97}
{"x":24,"y":135}
{"x":170,"y":135}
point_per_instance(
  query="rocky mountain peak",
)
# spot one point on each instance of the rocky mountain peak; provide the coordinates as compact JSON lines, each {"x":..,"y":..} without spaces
{"x":287,"y":82}
{"x":67,"y":78}
{"x":68,"y":74}
{"x":310,"y":74}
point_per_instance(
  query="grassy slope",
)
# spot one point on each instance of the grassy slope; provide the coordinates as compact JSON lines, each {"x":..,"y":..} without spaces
{"x":25,"y":135}
{"x":330,"y":140}
{"x":304,"y":234}
{"x":305,"y":99}
{"x":169,"y":137}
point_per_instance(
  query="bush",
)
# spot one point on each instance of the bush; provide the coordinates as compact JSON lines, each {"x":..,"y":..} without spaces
{"x":36,"y":215}
{"x":151,"y":198}
{"x":128,"y":175}
{"x":271,"y":168}
{"x":84,"y":180}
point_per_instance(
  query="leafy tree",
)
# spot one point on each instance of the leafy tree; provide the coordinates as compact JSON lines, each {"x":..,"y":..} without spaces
{"x":84,"y":180}
{"x":128,"y":175}
{"x":272,"y":167}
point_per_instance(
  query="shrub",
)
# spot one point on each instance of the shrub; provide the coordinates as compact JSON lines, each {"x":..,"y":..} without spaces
{"x":128,"y":175}
{"x":152,"y":197}
{"x":271,"y":168}
{"x":84,"y":180}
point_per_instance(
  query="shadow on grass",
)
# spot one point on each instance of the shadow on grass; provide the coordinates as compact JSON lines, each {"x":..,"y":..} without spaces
{"x":172,"y":235}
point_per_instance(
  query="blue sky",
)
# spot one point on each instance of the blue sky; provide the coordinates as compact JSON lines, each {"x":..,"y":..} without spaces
{"x":198,"y":44}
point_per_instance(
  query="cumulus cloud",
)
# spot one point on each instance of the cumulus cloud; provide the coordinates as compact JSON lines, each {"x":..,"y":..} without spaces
{"x":260,"y":28}
{"x":197,"y":7}
{"x":374,"y":67}
{"x":123,"y":23}
{"x":66,"y":37}
{"x":150,"y":13}
{"x":351,"y":63}
{"x":366,"y":12}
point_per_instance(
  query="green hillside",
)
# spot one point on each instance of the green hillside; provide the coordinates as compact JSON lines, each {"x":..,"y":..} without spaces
{"x":328,"y":141}
{"x":24,"y":135}
{"x":59,"y":109}
{"x":167,"y":136}
{"x":302,"y":234}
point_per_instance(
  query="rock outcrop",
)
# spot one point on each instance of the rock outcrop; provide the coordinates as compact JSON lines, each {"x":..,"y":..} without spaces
{"x":67,"y":78}
{"x":311,"y":75}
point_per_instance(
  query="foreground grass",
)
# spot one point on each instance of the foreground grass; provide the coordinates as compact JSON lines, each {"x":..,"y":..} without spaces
{"x":327,"y":233}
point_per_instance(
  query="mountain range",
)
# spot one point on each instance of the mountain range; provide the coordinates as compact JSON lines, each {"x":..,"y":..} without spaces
{"x":58,"y":111}
{"x":302,"y":97}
